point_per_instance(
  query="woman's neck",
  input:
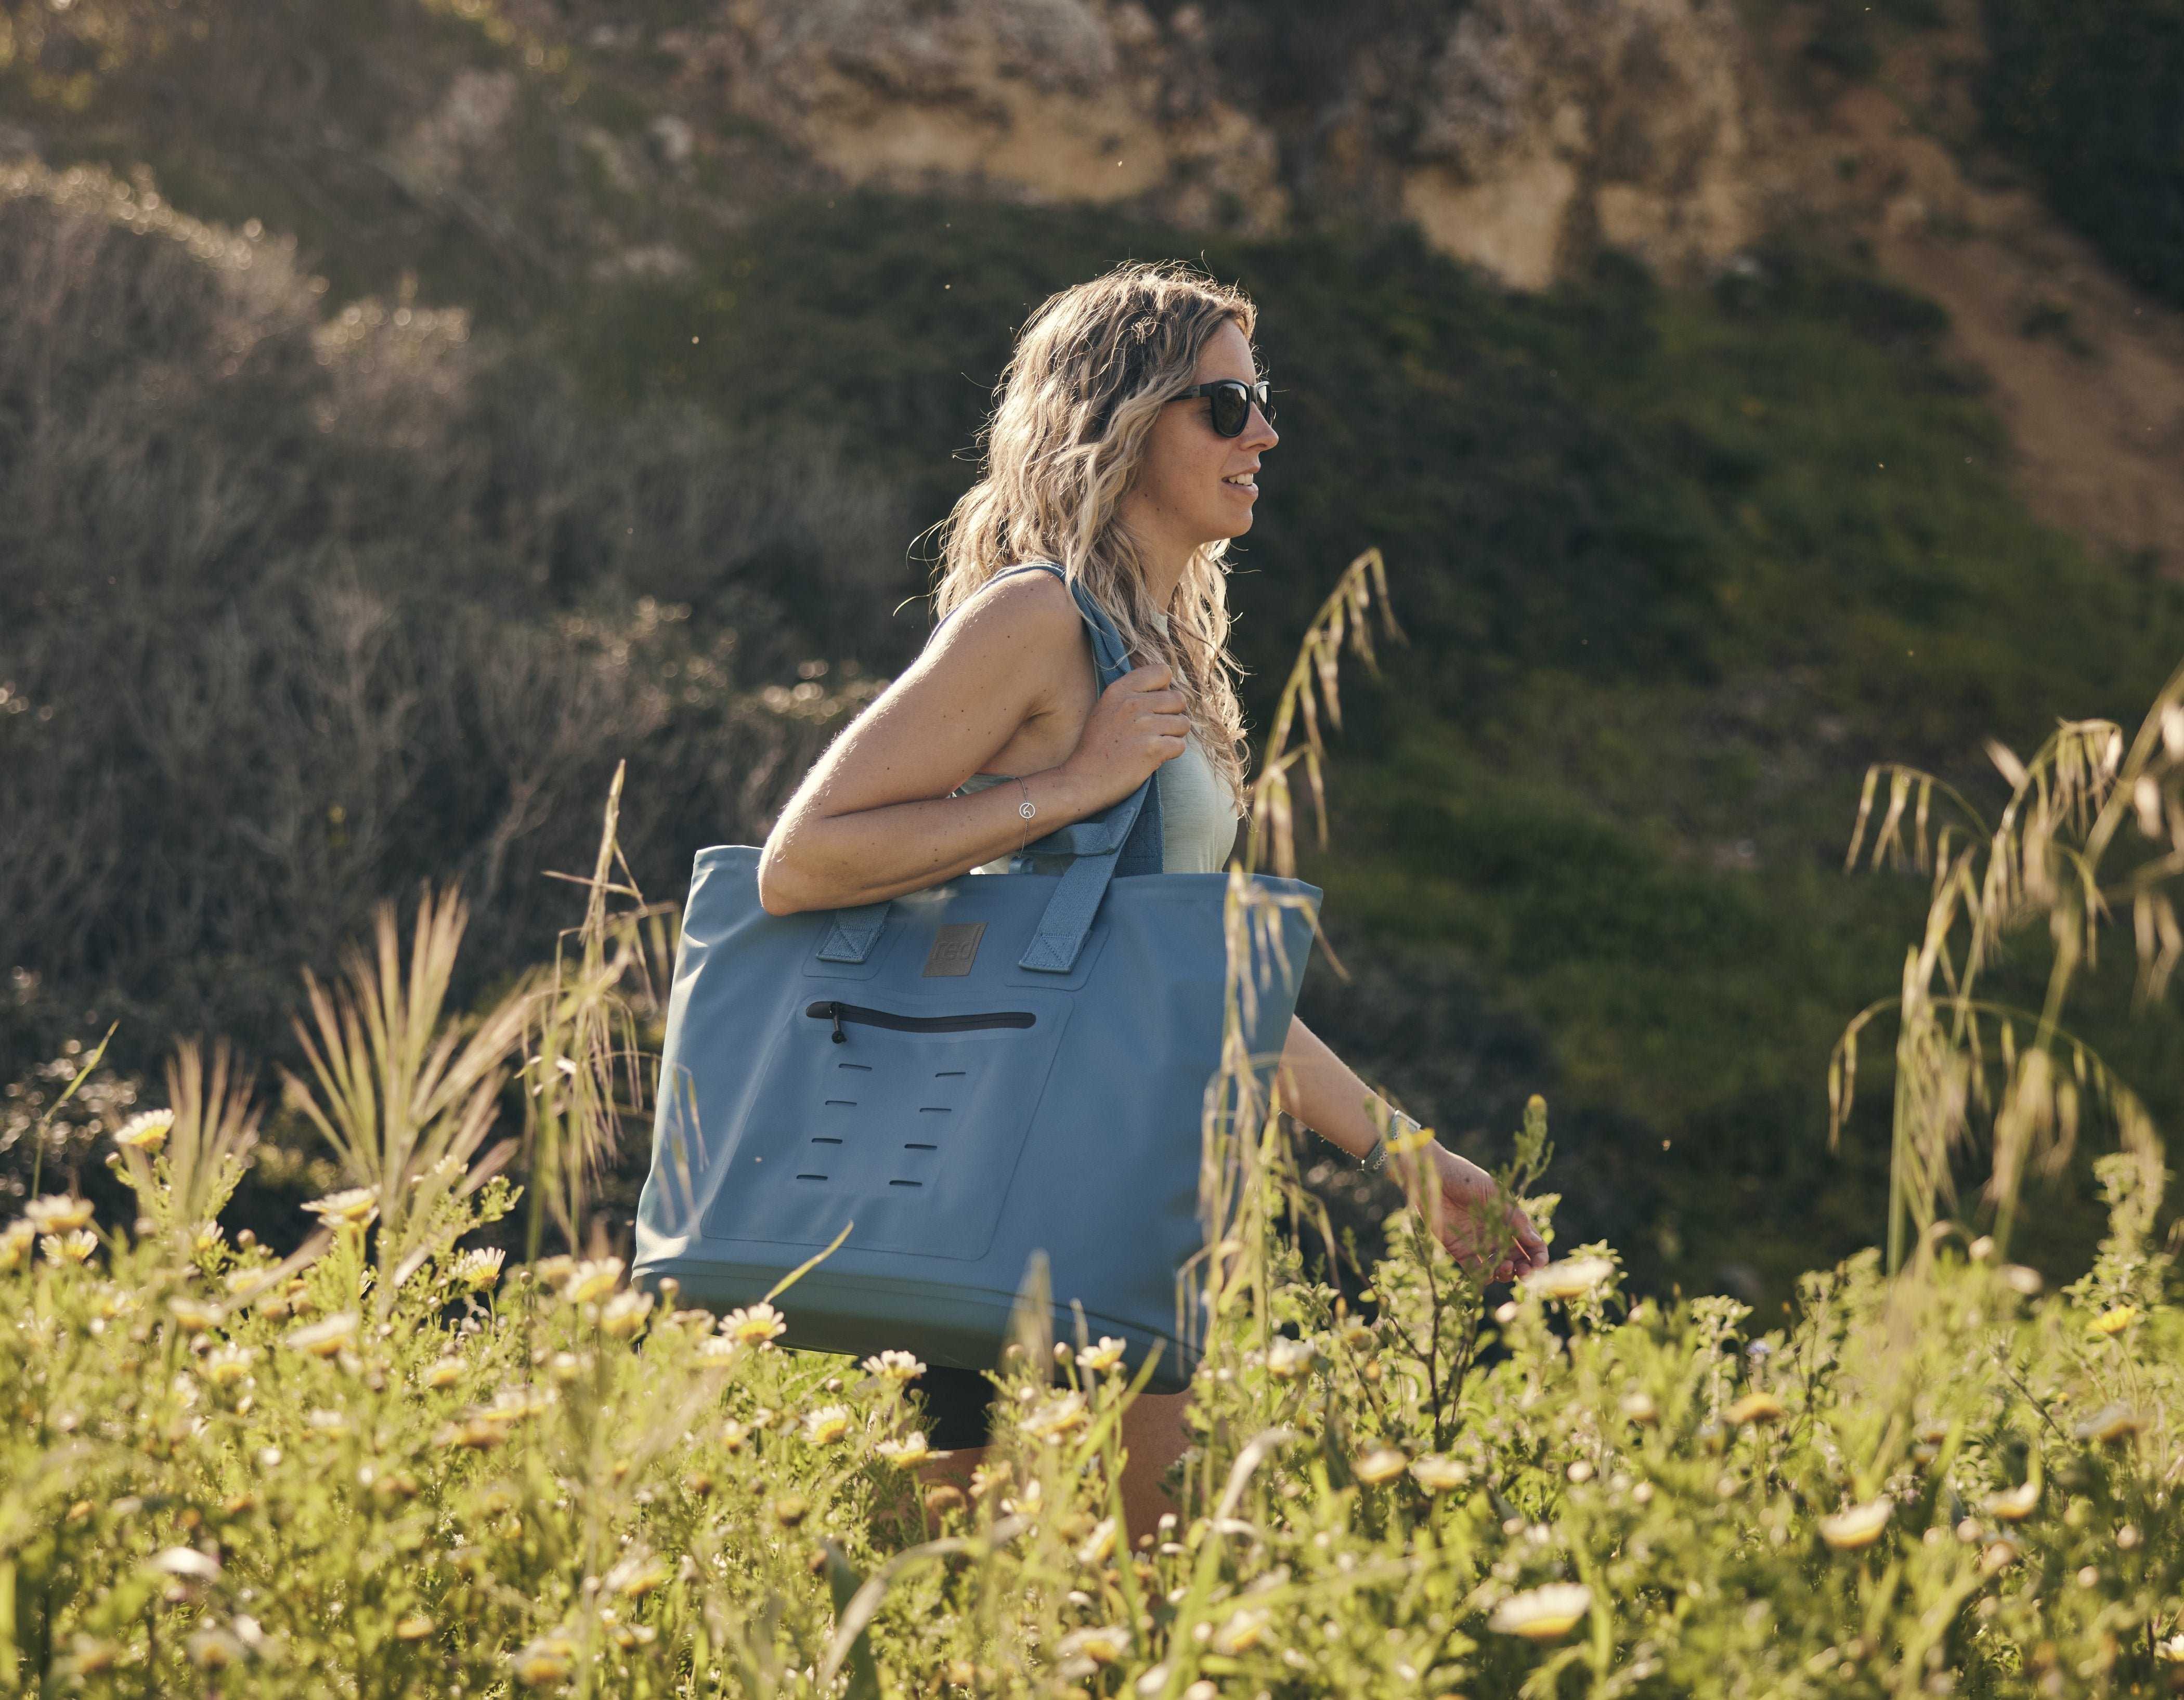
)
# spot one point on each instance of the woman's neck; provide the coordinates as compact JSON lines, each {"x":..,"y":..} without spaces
{"x":1164,"y":566}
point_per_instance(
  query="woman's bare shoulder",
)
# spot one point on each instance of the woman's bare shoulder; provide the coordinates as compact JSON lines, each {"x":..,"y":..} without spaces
{"x":1027,"y":617}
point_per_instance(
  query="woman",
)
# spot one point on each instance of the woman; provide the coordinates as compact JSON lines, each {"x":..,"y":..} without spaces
{"x":1126,"y":447}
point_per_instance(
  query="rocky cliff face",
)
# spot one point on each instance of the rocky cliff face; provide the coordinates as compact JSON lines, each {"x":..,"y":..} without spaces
{"x":1520,"y":135}
{"x":1517,"y":134}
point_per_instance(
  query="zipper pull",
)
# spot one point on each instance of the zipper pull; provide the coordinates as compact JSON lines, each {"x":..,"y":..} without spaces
{"x":835,"y":1010}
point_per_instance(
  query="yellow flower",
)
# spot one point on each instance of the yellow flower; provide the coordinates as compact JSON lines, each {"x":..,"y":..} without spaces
{"x":146,"y":1132}
{"x":554,"y":1270}
{"x":894,"y":1366}
{"x":906,"y":1454}
{"x":1382,"y":1463}
{"x":719,"y":1349}
{"x":1056,"y":1417}
{"x":1439,"y":1474}
{"x":415,"y":1627}
{"x":2114,"y":1321}
{"x":1640,"y":1408}
{"x":827,"y":1425}
{"x":226,"y":1365}
{"x":70,"y":1248}
{"x":1100,"y":1359}
{"x":1244,"y":1630}
{"x":593,"y":1279}
{"x":353,"y":1207}
{"x":625,"y":1314}
{"x":478,"y":1268}
{"x":58,"y":1214}
{"x":513,"y":1404}
{"x":193,"y":1315}
{"x":1860,"y":1526}
{"x":2017,"y":1504}
{"x":1546,"y":1614}
{"x":212,"y":1649}
{"x":636,"y":1575}
{"x":756,"y":1327}
{"x":1756,"y":1407}
{"x":331,"y":1424}
{"x":442,"y":1372}
{"x":325,"y":1339}
{"x":2172,"y":1651}
{"x":477,"y":1432}
{"x":1102,"y":1643}
{"x":1100,"y":1545}
{"x":1287,"y":1359}
{"x":15,"y":1245}
{"x":550,"y":1659}
{"x":1571,"y":1278}
{"x":2110,"y":1424}
{"x":88,"y":1656}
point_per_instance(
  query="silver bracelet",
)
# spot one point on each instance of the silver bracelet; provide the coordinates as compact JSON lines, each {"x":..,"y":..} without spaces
{"x":1025,"y":811}
{"x":1374,"y":1162}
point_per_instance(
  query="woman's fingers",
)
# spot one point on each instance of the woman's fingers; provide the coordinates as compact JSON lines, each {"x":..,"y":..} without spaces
{"x":1464,"y":1230}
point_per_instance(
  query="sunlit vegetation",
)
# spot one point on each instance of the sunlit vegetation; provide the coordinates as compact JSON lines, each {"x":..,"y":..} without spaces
{"x":410,"y":1466}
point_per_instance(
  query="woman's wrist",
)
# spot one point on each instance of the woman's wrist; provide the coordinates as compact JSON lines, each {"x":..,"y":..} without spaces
{"x":1059,"y":798}
{"x":1401,"y":1127}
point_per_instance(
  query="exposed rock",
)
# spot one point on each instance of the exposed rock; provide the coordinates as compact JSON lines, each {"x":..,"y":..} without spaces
{"x":1549,"y":125}
{"x":1523,"y":133}
{"x":1049,"y":100}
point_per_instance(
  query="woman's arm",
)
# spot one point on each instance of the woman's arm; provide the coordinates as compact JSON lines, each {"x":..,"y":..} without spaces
{"x":874,"y":818}
{"x":1323,"y":1091}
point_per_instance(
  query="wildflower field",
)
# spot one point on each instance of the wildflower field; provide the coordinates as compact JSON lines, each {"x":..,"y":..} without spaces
{"x":398,"y":1461}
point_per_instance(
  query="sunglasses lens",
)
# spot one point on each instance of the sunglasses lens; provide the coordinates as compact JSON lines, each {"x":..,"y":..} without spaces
{"x":1232,"y":410}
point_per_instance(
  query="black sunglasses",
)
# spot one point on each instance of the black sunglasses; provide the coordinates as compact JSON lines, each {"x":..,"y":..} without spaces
{"x":1232,"y":399}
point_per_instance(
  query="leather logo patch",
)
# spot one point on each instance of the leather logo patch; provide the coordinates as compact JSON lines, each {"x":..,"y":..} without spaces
{"x":955,"y":948}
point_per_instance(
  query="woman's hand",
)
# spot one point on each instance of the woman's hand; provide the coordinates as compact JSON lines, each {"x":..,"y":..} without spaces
{"x":1460,"y":1200}
{"x":1138,"y":723}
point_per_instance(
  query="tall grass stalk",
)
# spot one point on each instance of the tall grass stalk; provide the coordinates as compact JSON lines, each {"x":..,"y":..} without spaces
{"x":2093,"y":827}
{"x":406,"y":1091}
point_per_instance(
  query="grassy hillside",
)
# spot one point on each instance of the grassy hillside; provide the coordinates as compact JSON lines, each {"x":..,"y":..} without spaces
{"x":1674,"y":568}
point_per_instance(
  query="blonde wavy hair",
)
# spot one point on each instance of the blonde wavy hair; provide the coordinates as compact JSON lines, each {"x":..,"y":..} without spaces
{"x":1091,"y":370}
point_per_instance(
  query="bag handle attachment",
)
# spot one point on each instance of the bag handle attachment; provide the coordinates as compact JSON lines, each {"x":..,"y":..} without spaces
{"x":1097,"y":844}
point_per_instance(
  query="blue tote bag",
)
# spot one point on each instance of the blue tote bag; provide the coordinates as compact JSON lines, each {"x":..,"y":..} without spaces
{"x":964,"y":1078}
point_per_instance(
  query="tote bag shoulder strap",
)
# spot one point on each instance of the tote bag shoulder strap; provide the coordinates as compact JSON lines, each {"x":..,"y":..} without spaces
{"x":1124,"y":839}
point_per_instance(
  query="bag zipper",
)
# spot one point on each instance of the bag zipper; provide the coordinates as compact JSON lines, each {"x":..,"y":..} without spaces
{"x":838,"y":1013}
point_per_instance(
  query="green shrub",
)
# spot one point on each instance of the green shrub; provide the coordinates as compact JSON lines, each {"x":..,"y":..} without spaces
{"x":303,"y":609}
{"x":2091,"y":98}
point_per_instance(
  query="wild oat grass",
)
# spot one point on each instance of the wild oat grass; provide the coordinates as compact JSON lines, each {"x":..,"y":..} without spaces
{"x":389,"y":1464}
